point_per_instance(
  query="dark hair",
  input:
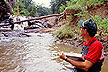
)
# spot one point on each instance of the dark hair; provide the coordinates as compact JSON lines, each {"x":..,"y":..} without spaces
{"x":11,"y":13}
{"x":91,"y":27}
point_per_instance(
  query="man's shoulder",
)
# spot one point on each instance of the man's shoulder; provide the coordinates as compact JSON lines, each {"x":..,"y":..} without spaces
{"x":11,"y":17}
{"x":97,"y":43}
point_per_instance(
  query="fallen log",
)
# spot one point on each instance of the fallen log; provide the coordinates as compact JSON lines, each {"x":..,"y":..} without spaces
{"x":38,"y":18}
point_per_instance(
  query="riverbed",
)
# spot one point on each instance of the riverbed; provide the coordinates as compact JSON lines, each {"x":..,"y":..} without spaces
{"x":37,"y":53}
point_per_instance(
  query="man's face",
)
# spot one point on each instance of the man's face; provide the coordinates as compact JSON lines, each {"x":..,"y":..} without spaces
{"x":12,"y":14}
{"x":83,"y":32}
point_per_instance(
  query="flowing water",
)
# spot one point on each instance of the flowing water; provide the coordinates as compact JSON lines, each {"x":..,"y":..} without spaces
{"x":37,"y":53}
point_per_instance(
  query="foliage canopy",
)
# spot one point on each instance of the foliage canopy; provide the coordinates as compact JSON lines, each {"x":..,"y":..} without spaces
{"x":30,"y":8}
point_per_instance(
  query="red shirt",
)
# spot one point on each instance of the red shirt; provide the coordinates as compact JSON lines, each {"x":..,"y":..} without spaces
{"x":95,"y":52}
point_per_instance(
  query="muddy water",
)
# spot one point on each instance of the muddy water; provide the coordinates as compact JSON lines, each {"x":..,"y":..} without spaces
{"x":37,"y":53}
{"x":59,"y":48}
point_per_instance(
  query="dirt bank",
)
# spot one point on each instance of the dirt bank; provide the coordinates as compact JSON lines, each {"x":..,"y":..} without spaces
{"x":77,"y":41}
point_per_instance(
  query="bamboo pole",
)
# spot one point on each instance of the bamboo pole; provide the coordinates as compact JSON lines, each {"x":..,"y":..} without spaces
{"x":18,"y":7}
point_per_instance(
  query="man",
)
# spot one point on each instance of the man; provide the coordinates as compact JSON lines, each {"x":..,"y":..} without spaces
{"x":17,"y":18}
{"x":11,"y":22}
{"x":92,"y":50}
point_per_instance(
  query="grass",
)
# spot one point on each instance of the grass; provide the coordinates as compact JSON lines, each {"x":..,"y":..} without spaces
{"x":64,"y":32}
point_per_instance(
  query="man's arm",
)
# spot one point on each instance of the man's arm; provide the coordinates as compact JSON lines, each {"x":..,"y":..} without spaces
{"x":80,"y":64}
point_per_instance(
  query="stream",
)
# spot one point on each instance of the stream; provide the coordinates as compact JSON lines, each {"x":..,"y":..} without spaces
{"x":37,"y":53}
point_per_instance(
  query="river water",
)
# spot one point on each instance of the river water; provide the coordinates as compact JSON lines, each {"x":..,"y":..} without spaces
{"x":37,"y":53}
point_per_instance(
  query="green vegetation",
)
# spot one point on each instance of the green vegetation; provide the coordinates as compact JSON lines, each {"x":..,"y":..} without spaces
{"x":102,"y":23}
{"x":82,"y":5}
{"x":58,"y":6}
{"x":64,"y":32}
{"x":30,"y":8}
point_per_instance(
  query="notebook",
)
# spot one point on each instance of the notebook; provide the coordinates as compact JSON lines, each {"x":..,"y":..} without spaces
{"x":74,"y":56}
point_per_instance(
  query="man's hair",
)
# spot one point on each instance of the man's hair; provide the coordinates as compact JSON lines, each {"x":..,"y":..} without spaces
{"x":90,"y":25}
{"x":12,"y":13}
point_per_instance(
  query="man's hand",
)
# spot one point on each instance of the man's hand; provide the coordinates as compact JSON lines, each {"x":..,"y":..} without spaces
{"x":80,"y":64}
{"x":63,"y":56}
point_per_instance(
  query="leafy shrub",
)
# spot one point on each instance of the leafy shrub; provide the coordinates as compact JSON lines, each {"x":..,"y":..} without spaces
{"x":102,"y":23}
{"x":62,"y":8}
{"x":64,"y":32}
{"x":79,"y":4}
